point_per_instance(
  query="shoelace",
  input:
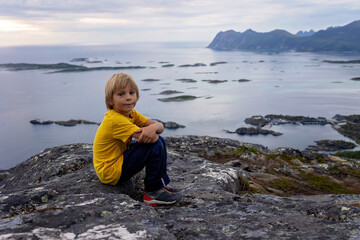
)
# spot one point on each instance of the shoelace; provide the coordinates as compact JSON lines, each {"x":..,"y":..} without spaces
{"x":166,"y":189}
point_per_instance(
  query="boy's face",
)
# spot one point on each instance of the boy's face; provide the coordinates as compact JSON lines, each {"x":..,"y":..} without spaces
{"x":124,"y":100}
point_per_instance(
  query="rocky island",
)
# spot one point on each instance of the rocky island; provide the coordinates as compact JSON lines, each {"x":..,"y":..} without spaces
{"x":231,"y":190}
{"x":254,"y":131}
{"x":332,"y":145}
{"x":214,"y":81}
{"x":178,"y":98}
{"x":275,"y":119}
{"x":68,"y":123}
{"x":193,"y":65}
{"x":186,"y":80}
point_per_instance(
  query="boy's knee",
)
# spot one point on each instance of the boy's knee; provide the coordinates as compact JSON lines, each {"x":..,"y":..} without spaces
{"x":159,"y":144}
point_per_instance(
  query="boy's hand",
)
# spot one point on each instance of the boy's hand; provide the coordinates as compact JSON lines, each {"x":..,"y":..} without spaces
{"x":147,"y":135}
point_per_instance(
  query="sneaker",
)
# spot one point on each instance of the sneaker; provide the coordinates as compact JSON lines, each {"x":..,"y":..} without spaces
{"x":161,"y":196}
{"x":170,"y":189}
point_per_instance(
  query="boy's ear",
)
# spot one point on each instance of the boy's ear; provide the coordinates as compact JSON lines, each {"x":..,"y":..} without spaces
{"x":111,"y":102}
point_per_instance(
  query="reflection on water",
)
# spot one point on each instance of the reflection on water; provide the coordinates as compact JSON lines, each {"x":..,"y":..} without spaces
{"x":280,"y":83}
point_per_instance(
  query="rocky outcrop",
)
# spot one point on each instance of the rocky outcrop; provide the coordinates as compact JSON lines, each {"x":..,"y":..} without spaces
{"x":56,"y":195}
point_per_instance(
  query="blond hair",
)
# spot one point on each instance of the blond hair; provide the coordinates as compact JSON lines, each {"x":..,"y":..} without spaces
{"x":116,"y":82}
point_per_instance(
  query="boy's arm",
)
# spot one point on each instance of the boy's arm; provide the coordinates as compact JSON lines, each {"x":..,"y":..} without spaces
{"x":150,"y":132}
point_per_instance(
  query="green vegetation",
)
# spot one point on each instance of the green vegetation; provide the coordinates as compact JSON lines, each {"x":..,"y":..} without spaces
{"x":283,"y":185}
{"x":351,"y":130}
{"x":258,"y":121}
{"x":354,"y":118}
{"x":270,"y":156}
{"x":245,"y":150}
{"x":320,"y":159}
{"x":349,"y":154}
{"x":2,"y":176}
{"x":286,"y":157}
{"x":323,"y":184}
{"x":289,"y":118}
{"x":217,"y":153}
{"x":245,"y":186}
{"x":304,"y":160}
{"x":343,"y":169}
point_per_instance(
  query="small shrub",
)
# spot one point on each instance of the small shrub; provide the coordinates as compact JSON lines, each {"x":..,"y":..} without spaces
{"x":245,"y":186}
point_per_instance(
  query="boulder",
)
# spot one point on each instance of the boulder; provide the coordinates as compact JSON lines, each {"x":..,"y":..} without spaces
{"x":57,"y":195}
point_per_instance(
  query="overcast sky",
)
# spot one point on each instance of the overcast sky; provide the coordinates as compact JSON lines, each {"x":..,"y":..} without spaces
{"x":87,"y":22}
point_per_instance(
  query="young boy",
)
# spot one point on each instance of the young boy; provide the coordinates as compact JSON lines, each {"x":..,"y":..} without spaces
{"x":116,"y":159}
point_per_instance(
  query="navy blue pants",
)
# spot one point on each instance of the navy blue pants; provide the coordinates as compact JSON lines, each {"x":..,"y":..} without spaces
{"x":153,"y":156}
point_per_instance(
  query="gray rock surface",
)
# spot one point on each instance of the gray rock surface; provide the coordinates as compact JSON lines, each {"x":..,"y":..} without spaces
{"x":56,"y":195}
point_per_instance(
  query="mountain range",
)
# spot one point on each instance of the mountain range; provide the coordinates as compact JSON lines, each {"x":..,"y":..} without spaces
{"x":333,"y":39}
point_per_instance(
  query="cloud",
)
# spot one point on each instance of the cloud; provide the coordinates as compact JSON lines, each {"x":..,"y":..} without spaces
{"x":105,"y":21}
{"x":16,"y":26}
{"x":192,"y":20}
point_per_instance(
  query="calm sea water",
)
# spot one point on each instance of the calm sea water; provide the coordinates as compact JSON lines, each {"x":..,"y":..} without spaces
{"x":281,"y":83}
